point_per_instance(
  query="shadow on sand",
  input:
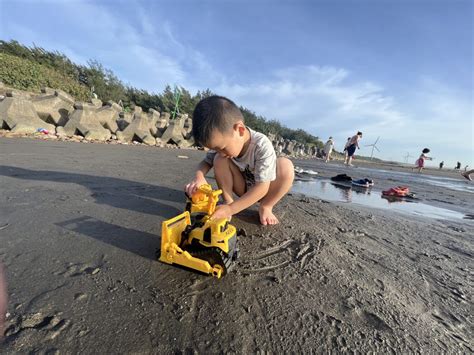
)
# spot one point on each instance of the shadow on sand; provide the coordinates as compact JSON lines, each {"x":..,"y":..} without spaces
{"x":138,"y":242}
{"x":119,"y":193}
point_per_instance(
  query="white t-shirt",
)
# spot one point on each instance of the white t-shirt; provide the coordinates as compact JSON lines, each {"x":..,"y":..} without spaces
{"x":328,"y":146}
{"x":258,"y":164}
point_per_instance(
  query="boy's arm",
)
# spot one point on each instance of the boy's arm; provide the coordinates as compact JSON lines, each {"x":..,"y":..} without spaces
{"x":199,"y":179}
{"x":202,"y":169}
{"x":252,"y":196}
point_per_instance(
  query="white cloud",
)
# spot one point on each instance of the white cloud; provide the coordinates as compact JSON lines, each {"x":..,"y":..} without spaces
{"x":326,"y":101}
{"x":317,"y":97}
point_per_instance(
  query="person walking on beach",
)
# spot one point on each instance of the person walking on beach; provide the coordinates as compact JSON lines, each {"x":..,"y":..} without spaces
{"x":351,"y":148}
{"x":467,"y":174}
{"x":458,"y":166}
{"x":441,"y":165}
{"x":420,"y":162}
{"x":345,"y":147}
{"x":328,"y":147}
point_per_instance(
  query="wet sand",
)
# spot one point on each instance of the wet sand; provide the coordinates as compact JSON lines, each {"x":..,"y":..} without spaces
{"x":79,"y":230}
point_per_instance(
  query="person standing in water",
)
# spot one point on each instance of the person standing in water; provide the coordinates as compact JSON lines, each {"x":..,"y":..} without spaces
{"x":441,"y":165}
{"x":351,"y":148}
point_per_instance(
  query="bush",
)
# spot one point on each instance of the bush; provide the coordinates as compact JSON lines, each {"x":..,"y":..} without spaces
{"x":24,"y":74}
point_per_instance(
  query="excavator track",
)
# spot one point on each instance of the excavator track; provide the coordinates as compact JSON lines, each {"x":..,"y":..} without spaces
{"x":213,"y":256}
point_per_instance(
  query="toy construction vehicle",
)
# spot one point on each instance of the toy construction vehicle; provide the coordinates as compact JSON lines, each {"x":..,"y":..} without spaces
{"x":196,"y":241}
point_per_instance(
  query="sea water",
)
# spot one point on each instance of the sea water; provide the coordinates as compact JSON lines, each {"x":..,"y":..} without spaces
{"x":370,"y":197}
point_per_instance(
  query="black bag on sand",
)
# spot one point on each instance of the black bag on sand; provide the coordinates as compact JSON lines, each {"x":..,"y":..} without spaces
{"x":341,"y":177}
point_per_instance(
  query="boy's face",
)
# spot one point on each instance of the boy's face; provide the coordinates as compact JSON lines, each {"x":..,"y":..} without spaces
{"x":228,"y":144}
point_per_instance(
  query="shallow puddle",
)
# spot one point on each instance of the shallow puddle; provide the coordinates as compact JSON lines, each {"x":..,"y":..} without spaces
{"x":342,"y":192}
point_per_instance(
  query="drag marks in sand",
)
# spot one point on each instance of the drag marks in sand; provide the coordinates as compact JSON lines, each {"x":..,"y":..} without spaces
{"x":280,"y":255}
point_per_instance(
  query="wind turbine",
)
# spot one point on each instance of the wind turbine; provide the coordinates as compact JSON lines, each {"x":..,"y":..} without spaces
{"x":374,"y":146}
{"x":407,"y":156}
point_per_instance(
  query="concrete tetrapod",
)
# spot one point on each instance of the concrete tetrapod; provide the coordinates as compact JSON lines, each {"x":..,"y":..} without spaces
{"x":142,"y":129}
{"x":108,"y":116}
{"x":53,"y":106}
{"x":19,"y":115}
{"x":83,"y":121}
{"x":174,"y":131}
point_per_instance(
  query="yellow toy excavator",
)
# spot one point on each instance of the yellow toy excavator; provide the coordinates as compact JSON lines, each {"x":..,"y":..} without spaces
{"x":194,"y":240}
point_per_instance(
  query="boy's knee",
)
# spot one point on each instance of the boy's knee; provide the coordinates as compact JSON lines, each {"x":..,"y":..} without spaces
{"x":285,"y":168}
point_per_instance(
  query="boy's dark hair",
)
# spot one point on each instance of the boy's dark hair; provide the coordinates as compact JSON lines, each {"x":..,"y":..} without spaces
{"x":359,"y":133}
{"x":214,"y":112}
{"x":426,"y":150}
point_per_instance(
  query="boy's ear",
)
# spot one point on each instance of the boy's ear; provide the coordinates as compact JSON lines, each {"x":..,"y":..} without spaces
{"x":240,"y":128}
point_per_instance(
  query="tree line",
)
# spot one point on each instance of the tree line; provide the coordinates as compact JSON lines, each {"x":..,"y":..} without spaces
{"x":28,"y":68}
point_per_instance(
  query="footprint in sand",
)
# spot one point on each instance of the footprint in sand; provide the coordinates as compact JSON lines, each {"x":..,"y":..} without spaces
{"x":372,"y":320}
{"x":80,"y":296}
{"x":37,"y":321}
{"x":74,"y":270}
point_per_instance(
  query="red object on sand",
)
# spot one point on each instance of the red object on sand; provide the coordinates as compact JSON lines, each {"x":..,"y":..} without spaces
{"x":399,"y":191}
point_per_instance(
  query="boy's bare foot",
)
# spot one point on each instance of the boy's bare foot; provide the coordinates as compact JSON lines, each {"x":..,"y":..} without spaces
{"x":266,"y":216}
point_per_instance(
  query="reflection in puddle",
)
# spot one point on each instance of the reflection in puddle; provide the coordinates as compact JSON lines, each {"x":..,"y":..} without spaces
{"x":341,"y":192}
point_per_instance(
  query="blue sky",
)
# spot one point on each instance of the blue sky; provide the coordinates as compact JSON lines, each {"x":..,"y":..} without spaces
{"x":401,"y":70}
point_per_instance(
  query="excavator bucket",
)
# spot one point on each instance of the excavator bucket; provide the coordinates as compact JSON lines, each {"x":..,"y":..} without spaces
{"x":204,"y":200}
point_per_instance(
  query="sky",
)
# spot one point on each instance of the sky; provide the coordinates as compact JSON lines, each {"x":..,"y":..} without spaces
{"x":401,"y":70}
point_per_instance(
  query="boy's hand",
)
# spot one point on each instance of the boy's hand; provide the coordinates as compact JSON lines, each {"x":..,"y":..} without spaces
{"x":193,"y":186}
{"x":222,"y":211}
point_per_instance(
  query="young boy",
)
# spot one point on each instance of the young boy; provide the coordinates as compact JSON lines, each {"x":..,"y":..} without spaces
{"x":244,"y":161}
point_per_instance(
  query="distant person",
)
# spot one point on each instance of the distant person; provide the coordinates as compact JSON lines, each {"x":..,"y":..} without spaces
{"x":441,"y":165}
{"x":345,"y":146}
{"x":328,"y":147}
{"x":351,"y":148}
{"x":458,"y":166}
{"x":467,"y":174}
{"x":244,"y":161}
{"x":465,"y":168}
{"x":420,"y":162}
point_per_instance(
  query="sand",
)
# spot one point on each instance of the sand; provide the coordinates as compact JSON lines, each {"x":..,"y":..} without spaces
{"x":80,"y":227}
